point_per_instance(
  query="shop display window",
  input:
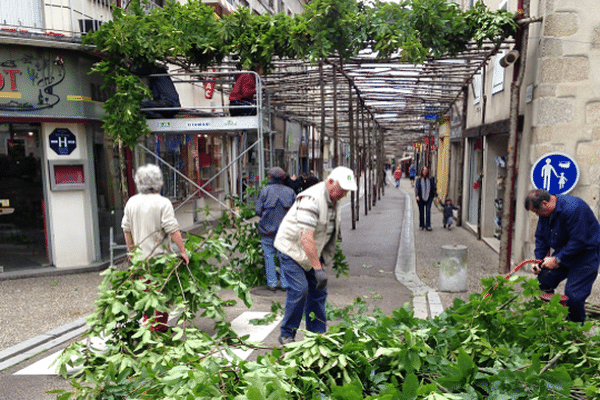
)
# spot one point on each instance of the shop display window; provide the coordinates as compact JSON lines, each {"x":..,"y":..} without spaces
{"x":188,"y":158}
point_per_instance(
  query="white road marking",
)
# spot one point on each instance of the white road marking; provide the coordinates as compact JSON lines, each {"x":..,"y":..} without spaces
{"x":241,"y":325}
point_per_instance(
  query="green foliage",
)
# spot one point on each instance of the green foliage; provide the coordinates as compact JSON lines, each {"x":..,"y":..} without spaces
{"x":135,"y":354}
{"x":192,"y":34}
{"x":333,"y":26}
{"x":240,"y":230}
{"x":340,"y":265}
{"x":276,"y":311}
{"x":499,"y":347}
{"x":419,"y":29}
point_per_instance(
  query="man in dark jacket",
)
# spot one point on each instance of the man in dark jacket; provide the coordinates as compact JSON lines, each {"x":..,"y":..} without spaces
{"x":568,"y":226}
{"x":272,"y":204}
{"x":310,"y":180}
{"x":164,"y":94}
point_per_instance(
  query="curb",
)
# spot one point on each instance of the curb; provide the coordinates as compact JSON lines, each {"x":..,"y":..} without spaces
{"x":426,"y":301}
{"x":31,"y":347}
{"x":52,"y":271}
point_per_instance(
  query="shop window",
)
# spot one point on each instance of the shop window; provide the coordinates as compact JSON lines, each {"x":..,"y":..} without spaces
{"x":175,"y":151}
{"x":498,"y":78}
{"x":476,"y":88}
{"x":210,"y":158}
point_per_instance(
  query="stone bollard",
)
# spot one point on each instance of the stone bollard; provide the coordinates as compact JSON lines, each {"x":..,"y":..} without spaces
{"x":453,"y":269}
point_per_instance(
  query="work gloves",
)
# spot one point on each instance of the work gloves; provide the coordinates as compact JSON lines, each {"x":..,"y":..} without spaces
{"x":321,"y":277}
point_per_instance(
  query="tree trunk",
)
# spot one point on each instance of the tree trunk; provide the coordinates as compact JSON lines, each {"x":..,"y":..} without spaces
{"x":123,"y":171}
{"x":508,"y":211}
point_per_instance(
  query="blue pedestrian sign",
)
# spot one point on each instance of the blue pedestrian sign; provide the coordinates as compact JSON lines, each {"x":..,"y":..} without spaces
{"x":556,"y":173}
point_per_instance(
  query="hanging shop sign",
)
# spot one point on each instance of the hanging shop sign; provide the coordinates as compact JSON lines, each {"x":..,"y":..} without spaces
{"x":557,"y":173}
{"x":49,"y":83}
{"x":431,"y":113}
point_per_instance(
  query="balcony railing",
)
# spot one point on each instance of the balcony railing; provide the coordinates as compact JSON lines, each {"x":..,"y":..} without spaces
{"x":56,"y":18}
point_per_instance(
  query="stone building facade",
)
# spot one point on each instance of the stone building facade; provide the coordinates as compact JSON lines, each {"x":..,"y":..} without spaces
{"x":559,"y":109}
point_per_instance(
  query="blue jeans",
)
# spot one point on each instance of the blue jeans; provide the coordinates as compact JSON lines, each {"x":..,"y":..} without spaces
{"x":303,"y":298}
{"x":424,"y":213}
{"x":580,"y":279}
{"x":448,"y":221}
{"x":270,"y":251}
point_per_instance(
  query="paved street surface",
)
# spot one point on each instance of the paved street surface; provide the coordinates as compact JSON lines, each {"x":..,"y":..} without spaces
{"x":383,"y":272}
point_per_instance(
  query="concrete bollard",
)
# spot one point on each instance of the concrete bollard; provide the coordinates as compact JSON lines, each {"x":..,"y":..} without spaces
{"x":453,"y":269}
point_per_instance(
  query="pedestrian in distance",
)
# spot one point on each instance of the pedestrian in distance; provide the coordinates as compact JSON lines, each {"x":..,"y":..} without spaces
{"x":412,"y":172}
{"x":568,"y":227}
{"x":294,"y":183}
{"x":310,"y":180}
{"x":273,"y":202}
{"x":307,"y":239}
{"x":398,"y":176}
{"x":149,"y":224}
{"x":302,"y":179}
{"x":425,"y":192}
{"x":448,"y":212}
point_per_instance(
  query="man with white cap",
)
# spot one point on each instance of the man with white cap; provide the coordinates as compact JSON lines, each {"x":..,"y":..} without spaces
{"x":307,"y":240}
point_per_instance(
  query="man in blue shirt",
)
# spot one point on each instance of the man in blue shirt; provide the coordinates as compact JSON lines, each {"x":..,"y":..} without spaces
{"x":272,"y":204}
{"x":568,"y":227}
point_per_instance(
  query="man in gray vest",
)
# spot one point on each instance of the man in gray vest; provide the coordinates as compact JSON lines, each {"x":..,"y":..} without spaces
{"x":307,"y":240}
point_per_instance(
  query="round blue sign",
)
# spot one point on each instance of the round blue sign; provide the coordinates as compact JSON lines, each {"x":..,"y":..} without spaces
{"x":556,"y":173}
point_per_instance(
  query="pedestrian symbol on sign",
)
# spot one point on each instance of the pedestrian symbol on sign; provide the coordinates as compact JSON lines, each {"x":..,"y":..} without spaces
{"x":546,"y":173}
{"x":556,"y":173}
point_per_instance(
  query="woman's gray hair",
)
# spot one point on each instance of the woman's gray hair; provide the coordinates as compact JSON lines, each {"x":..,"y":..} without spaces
{"x":148,"y":179}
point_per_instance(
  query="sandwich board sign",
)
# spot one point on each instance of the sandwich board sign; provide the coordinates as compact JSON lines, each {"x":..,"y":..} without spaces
{"x":557,"y":173}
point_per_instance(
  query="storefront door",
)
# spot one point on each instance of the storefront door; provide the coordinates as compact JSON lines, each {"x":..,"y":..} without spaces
{"x":474,"y":182}
{"x":23,"y":242}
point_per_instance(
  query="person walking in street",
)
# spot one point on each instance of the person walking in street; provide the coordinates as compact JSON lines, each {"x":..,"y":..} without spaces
{"x":425,"y":192}
{"x":307,"y":239}
{"x":448,"y":212}
{"x":310,"y":180}
{"x":273,"y":202}
{"x":568,"y":226}
{"x":398,"y":176}
{"x":294,"y":183}
{"x":149,"y":224}
{"x":412,"y":172}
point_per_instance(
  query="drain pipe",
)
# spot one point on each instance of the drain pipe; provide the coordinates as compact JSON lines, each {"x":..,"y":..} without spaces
{"x":480,"y":162}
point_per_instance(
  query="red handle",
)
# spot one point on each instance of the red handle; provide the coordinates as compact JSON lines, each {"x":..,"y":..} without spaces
{"x":518,"y":267}
{"x":515,"y":269}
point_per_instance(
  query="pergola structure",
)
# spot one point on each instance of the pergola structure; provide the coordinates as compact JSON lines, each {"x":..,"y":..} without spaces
{"x":401,"y":99}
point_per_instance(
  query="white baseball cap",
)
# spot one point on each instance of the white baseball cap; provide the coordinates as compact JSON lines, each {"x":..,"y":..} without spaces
{"x":345,"y":177}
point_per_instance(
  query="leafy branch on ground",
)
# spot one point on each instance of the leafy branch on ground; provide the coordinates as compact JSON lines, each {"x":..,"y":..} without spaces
{"x":508,"y":345}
